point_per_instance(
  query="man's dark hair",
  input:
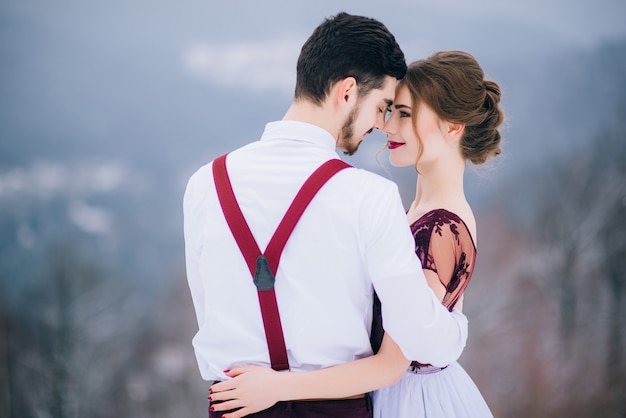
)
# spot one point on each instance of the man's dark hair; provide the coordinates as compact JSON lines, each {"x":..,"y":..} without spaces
{"x":347,"y":46}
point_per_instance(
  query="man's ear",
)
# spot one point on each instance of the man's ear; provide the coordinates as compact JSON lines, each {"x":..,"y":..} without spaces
{"x":346,"y":92}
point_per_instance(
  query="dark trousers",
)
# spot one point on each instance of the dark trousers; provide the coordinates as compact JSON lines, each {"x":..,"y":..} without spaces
{"x":345,"y":408}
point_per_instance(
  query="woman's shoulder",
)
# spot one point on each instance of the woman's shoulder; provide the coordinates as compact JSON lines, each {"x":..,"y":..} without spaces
{"x":459,"y":215}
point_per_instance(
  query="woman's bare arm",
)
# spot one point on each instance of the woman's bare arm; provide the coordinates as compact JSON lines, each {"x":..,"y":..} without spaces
{"x":256,"y":388}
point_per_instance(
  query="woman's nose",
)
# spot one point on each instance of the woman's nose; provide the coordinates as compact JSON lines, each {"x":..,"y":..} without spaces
{"x":388,"y":126}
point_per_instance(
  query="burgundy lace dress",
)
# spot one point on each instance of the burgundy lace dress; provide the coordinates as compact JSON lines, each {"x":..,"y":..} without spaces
{"x":445,"y":246}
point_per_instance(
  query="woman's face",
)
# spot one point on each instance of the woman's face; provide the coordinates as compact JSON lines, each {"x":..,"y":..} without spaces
{"x":403,"y":144}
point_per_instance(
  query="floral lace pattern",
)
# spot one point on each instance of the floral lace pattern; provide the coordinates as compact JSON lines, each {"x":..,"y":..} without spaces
{"x":444,"y":245}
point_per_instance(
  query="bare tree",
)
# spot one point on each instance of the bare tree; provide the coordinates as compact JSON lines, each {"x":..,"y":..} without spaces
{"x":580,"y":242}
{"x":612,"y":237}
{"x":47,"y":345}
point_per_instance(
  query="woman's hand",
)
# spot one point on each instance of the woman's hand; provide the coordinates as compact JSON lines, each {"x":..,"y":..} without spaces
{"x":252,"y":389}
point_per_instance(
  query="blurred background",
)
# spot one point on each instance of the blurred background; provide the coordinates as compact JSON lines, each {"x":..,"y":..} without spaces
{"x":107,"y":108}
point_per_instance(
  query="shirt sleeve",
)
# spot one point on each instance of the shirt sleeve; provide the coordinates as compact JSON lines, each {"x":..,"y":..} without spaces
{"x":415,"y":319}
{"x":192,"y":213}
{"x":451,"y":255}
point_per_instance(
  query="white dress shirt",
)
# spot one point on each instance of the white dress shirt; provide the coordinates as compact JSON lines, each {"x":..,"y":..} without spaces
{"x":352,"y":238}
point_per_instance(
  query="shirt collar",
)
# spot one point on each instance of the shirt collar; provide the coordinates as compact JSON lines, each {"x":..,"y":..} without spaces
{"x":299,"y":131}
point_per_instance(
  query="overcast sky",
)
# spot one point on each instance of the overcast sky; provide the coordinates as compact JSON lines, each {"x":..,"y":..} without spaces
{"x":221,"y":41}
{"x":267,"y":36}
{"x":100,"y":71}
{"x":491,"y":27}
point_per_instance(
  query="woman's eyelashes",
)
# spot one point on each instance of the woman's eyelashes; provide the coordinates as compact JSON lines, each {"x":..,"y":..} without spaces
{"x":400,"y":113}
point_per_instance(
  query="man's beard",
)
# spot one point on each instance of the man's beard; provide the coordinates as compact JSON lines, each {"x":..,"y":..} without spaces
{"x":346,"y":140}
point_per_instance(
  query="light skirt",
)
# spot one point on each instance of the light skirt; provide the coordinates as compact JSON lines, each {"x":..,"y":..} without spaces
{"x":447,"y":393}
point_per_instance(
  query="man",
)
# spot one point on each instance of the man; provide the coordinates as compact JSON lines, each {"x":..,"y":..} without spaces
{"x":352,"y":237}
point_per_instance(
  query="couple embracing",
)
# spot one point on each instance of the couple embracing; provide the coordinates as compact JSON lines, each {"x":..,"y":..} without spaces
{"x":314,"y":296}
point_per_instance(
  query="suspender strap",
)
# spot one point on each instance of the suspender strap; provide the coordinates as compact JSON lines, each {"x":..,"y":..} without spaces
{"x":306,"y":193}
{"x":263,"y":267}
{"x":232,"y":212}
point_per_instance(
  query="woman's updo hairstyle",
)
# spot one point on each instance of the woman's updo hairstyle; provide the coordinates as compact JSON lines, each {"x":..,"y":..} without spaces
{"x":452,"y":84}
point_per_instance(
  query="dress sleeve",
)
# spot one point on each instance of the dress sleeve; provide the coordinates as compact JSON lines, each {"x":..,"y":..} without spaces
{"x":451,"y":254}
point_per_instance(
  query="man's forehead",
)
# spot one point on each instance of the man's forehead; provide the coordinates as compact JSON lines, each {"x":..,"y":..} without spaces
{"x":389,"y":90}
{"x":385,"y":94}
{"x":386,"y":99}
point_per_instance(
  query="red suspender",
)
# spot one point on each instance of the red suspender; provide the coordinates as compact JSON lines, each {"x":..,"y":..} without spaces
{"x":263,"y":267}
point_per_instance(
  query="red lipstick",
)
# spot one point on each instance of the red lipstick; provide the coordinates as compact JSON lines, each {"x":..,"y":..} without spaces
{"x":394,"y":145}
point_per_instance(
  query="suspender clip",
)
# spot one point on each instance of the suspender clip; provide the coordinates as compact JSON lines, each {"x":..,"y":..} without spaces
{"x":263,"y":277}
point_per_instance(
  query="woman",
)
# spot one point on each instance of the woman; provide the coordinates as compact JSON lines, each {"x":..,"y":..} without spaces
{"x":444,"y":114}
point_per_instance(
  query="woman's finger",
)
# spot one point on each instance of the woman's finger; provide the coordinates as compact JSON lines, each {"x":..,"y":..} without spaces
{"x":227,"y":395}
{"x":239,"y":413}
{"x":227,"y":405}
{"x":222,"y":386}
{"x":236,"y":371}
